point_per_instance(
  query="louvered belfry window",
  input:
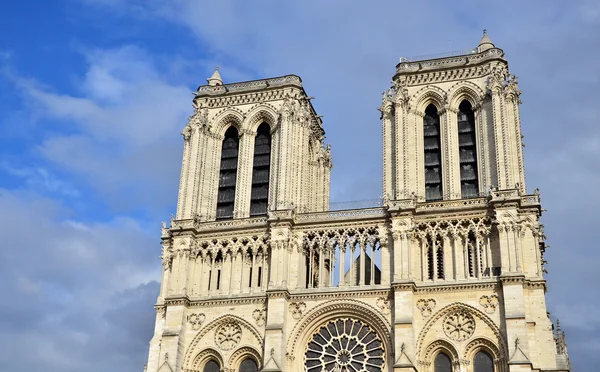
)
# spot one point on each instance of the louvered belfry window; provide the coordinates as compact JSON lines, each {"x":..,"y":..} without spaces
{"x":433,"y":154}
{"x":259,"y":198}
{"x":469,"y":184}
{"x":228,"y":174}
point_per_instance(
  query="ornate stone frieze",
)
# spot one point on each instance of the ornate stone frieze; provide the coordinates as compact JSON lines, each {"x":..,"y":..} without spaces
{"x":455,"y":227}
{"x":196,"y":320}
{"x":489,"y":303}
{"x":426,"y":306}
{"x":459,"y":325}
{"x":228,"y":335}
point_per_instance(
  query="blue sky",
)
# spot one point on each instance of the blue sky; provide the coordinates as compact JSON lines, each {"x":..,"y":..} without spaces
{"x":94,"y":93}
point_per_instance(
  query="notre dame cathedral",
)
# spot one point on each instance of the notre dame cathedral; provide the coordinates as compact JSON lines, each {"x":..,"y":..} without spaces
{"x":446,"y":274}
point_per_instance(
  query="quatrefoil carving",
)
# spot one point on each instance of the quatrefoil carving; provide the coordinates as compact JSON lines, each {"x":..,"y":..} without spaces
{"x":459,"y":325}
{"x":384,"y":304}
{"x":489,"y":303}
{"x":259,"y":316}
{"x":228,"y":335}
{"x":196,"y":320}
{"x":426,"y":306}
{"x":297,"y":308}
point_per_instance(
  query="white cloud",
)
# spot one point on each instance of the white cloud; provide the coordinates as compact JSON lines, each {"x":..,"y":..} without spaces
{"x":121,"y":132}
{"x":40,"y":177}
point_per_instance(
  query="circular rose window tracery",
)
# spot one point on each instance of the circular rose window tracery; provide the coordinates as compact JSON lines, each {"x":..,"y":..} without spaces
{"x":344,"y":345}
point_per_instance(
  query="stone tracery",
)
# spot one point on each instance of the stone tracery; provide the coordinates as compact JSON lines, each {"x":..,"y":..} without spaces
{"x":345,"y":344}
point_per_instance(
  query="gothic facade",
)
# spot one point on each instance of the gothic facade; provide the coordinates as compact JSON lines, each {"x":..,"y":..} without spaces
{"x":446,"y":274}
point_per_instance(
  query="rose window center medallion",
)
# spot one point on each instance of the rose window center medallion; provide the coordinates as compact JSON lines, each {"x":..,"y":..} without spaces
{"x":345,"y":345}
{"x":228,"y":336}
{"x":459,"y":326}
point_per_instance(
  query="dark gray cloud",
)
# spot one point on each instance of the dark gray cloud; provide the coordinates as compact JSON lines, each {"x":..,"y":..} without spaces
{"x":76,"y":302}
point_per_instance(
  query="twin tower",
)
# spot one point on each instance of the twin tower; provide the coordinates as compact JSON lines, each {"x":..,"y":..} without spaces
{"x":446,"y":275}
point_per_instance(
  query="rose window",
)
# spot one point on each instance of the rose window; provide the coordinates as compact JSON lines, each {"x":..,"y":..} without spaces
{"x":345,"y":345}
{"x":459,"y":326}
{"x":228,"y":336}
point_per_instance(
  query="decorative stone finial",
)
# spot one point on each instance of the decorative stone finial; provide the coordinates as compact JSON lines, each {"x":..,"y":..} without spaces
{"x":215,"y":79}
{"x":485,"y":43}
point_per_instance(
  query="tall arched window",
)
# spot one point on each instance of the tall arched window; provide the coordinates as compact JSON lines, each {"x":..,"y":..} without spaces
{"x":433,"y":154}
{"x":430,"y":258}
{"x":467,"y":147}
{"x":435,"y":252}
{"x":483,"y":362}
{"x":259,"y":198}
{"x":474,"y":258}
{"x":439,"y":246}
{"x":211,"y":366}
{"x":248,"y":365}
{"x":442,"y":363}
{"x":228,"y":174}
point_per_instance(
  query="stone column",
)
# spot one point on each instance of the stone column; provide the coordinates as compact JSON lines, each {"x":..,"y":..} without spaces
{"x":243,"y":187}
{"x":450,"y":141}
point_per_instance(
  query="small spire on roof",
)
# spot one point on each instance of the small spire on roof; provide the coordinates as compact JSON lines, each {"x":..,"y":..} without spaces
{"x":215,"y":79}
{"x":485,"y":43}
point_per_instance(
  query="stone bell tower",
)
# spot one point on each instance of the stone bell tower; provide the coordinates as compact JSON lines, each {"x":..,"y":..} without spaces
{"x":462,"y":221}
{"x":252,"y":147}
{"x":472,"y":141}
{"x":253,"y":155}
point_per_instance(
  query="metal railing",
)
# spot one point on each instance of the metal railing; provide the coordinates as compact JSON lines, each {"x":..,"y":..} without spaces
{"x":355,"y":204}
{"x":455,"y":53}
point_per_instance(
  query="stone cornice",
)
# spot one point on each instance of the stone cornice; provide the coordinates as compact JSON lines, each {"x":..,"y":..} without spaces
{"x":462,"y":67}
{"x":457,"y":287}
{"x":339,"y":293}
{"x":211,"y":227}
{"x":220,"y":300}
{"x":249,"y":86}
{"x":474,"y":207}
{"x":329,"y":217}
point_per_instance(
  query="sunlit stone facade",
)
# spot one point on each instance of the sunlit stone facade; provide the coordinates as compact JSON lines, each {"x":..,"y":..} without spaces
{"x":446,"y":274}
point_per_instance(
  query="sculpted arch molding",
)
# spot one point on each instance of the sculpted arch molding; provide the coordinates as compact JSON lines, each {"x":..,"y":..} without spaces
{"x":500,"y":342}
{"x":308,"y":324}
{"x":226,"y":118}
{"x":465,"y":90}
{"x":192,"y":352}
{"x":429,"y":95}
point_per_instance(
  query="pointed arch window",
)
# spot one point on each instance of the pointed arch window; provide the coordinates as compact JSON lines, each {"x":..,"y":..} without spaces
{"x":483,"y":362}
{"x":433,"y":154}
{"x":467,"y":147}
{"x":442,"y":363}
{"x":259,"y":197}
{"x":435,"y":258}
{"x":211,"y":366}
{"x":248,"y":365}
{"x":228,"y":174}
